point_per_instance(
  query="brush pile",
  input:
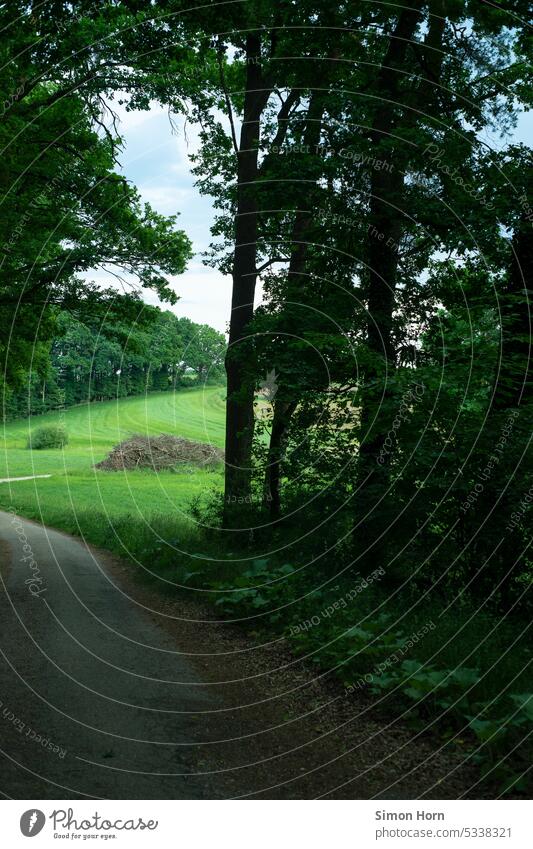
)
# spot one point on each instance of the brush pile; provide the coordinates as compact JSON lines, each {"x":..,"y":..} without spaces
{"x":159,"y":452}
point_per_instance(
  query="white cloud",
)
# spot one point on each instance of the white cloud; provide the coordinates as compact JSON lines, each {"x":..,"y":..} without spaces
{"x":156,"y":159}
{"x":167,"y":199}
{"x":129,"y":121}
{"x":205,"y":296}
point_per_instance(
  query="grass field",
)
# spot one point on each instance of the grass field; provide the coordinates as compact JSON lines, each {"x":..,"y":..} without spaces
{"x":76,"y":487}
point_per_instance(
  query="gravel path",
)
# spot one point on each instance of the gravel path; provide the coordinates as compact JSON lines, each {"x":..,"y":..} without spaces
{"x":110,"y":689}
{"x":84,"y":668}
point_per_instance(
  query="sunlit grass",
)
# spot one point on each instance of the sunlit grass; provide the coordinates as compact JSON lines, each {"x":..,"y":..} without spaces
{"x":76,"y":486}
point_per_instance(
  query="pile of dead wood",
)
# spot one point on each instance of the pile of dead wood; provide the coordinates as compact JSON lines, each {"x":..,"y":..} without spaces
{"x":159,"y":452}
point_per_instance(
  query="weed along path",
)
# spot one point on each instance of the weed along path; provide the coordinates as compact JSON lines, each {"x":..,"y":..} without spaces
{"x":109,"y":689}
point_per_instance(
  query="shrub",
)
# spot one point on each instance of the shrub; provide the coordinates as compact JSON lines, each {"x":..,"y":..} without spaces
{"x":51,"y":436}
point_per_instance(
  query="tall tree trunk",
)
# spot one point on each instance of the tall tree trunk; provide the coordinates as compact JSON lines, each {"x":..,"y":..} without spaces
{"x":508,"y":420}
{"x":384,"y":234}
{"x":515,"y":378}
{"x":240,"y":385}
{"x":284,"y":407}
{"x":283,"y":411}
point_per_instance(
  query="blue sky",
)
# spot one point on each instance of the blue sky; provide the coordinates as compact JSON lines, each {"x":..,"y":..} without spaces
{"x":156,"y":159}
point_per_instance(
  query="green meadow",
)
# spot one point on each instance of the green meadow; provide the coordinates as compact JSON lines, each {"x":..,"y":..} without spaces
{"x":76,"y":488}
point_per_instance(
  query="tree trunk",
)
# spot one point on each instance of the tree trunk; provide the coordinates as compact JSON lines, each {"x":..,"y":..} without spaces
{"x":514,"y":386}
{"x":240,"y":385}
{"x":386,"y":213}
{"x":284,"y":409}
{"x":383,"y":236}
{"x":512,"y":393}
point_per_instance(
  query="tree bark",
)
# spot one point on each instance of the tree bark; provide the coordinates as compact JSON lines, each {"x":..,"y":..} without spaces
{"x":384,"y":234}
{"x":283,"y":409}
{"x":240,"y":385}
{"x":514,"y":387}
{"x":513,"y":393}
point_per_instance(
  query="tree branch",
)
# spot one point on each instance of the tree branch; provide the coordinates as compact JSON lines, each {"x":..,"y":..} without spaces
{"x":227,"y":97}
{"x":270,"y":262}
{"x":292,"y":100}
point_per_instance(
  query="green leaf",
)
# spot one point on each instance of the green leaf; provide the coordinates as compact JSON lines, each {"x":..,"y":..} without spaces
{"x":524,"y":701}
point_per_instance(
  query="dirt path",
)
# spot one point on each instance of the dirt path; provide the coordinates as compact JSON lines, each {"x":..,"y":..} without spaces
{"x":110,"y":689}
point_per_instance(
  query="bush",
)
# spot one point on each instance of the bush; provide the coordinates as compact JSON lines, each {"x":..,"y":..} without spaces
{"x":52,"y":436}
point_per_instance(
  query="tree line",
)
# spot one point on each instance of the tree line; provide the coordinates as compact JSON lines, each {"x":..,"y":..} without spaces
{"x":98,"y":362}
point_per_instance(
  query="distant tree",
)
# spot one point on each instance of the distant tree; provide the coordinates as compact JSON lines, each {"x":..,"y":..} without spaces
{"x":204,"y":351}
{"x":63,"y":208}
{"x":97,"y":360}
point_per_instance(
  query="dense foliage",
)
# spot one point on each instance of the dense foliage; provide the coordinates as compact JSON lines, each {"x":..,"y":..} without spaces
{"x":64,"y":210}
{"x":98,"y":362}
{"x":380,"y":396}
{"x":345,"y":149}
